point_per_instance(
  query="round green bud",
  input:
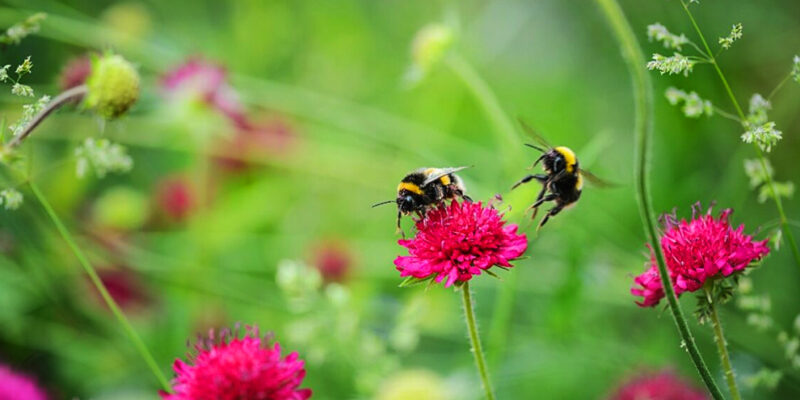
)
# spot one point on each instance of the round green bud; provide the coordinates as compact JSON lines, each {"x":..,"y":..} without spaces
{"x":113,"y":86}
{"x":430,"y":44}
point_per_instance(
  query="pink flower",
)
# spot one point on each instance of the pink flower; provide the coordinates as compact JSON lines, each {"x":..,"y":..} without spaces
{"x":208,"y":81}
{"x":18,"y":387}
{"x":230,"y":368}
{"x":176,"y":197}
{"x":75,"y":72}
{"x":696,"y":251}
{"x":663,"y":385}
{"x":460,"y":241}
{"x":333,"y":261}
{"x":124,"y":286}
{"x":254,"y":141}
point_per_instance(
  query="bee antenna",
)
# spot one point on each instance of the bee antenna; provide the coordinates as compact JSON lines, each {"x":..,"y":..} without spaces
{"x":534,"y":147}
{"x":382,"y":203}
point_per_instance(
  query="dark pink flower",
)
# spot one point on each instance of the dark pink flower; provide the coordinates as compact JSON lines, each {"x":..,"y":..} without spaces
{"x":123,"y":285}
{"x":697,"y":251}
{"x":254,"y":140}
{"x":333,"y":261}
{"x":663,"y":385}
{"x":18,"y":387}
{"x":458,"y":241}
{"x":208,"y":81}
{"x":231,"y":368}
{"x":176,"y":197}
{"x":75,"y":72}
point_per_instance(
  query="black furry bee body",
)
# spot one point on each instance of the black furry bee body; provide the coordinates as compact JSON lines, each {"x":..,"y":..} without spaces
{"x":424,"y":188}
{"x":562,"y":182}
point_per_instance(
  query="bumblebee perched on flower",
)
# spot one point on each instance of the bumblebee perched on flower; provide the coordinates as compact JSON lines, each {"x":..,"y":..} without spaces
{"x":424,"y":188}
{"x":563,"y":177}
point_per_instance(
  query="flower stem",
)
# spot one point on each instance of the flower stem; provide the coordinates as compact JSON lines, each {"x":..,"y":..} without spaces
{"x":778,"y":203}
{"x":482,"y":92}
{"x":643,"y":127}
{"x":722,"y":348}
{"x":63,"y":98}
{"x":123,"y":321}
{"x":477,"y":351}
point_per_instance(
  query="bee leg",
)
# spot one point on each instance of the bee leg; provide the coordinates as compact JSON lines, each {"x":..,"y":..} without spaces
{"x":539,"y":177}
{"x":399,"y":229}
{"x":466,"y":198}
{"x":539,"y":201}
{"x":552,"y":212}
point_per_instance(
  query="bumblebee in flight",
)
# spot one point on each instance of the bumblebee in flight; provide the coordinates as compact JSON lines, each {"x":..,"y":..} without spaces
{"x":424,"y":188}
{"x":562,"y":181}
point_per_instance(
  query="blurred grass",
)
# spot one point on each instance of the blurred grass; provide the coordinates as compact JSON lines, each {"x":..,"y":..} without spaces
{"x":334,"y":72}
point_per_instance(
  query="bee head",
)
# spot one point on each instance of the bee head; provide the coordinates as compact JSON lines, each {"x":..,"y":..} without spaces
{"x":406,"y":204}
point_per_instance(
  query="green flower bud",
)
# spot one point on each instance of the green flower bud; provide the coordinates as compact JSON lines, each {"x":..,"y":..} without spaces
{"x":430,"y":44}
{"x":113,"y":86}
{"x":413,"y":385}
{"x":121,"y":208}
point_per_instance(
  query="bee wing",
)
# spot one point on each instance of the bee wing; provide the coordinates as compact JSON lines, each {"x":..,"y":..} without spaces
{"x":535,"y":135}
{"x":442,"y":172}
{"x":596,"y":181}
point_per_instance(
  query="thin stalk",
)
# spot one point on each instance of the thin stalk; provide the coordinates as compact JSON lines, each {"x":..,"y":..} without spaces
{"x":482,"y":92}
{"x":778,"y":203}
{"x":63,"y":98}
{"x":477,"y":350}
{"x":643,"y":128}
{"x":722,"y":348}
{"x":780,"y":85}
{"x":123,"y":321}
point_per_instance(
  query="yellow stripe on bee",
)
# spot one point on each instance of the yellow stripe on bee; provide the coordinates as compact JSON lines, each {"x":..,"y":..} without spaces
{"x":410,"y":187}
{"x":569,"y":157}
{"x":445,"y":180}
{"x":579,"y":182}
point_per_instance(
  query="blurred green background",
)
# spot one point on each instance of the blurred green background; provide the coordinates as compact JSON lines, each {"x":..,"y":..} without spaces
{"x":328,"y":80}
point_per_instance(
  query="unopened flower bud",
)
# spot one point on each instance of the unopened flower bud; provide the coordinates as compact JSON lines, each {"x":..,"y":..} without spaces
{"x":113,"y":86}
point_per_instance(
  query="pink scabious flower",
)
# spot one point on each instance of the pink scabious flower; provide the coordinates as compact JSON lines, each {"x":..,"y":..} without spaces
{"x":208,"y":81}
{"x":664,"y":385}
{"x":176,"y":197}
{"x":458,"y":241}
{"x":333,"y":260}
{"x":18,"y":387}
{"x":75,"y":72}
{"x":697,"y":251}
{"x":232,"y":368}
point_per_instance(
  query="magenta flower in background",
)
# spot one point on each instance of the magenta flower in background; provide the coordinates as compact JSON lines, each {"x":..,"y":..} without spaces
{"x":697,"y":251}
{"x":176,"y":197}
{"x":333,"y":260}
{"x":664,"y":385}
{"x":254,"y":140}
{"x":75,"y":72}
{"x":124,"y":286}
{"x":231,"y":368}
{"x":208,"y":81}
{"x":15,"y":386}
{"x":455,"y":242}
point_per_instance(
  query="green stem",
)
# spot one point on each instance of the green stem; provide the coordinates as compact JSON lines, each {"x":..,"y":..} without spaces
{"x":778,"y":203}
{"x":482,"y":92}
{"x":722,"y":348}
{"x":643,"y":127}
{"x":477,"y":351}
{"x":123,"y":321}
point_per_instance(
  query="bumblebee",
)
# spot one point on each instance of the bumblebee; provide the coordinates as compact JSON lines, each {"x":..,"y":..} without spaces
{"x":424,"y":188}
{"x":562,"y":181}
